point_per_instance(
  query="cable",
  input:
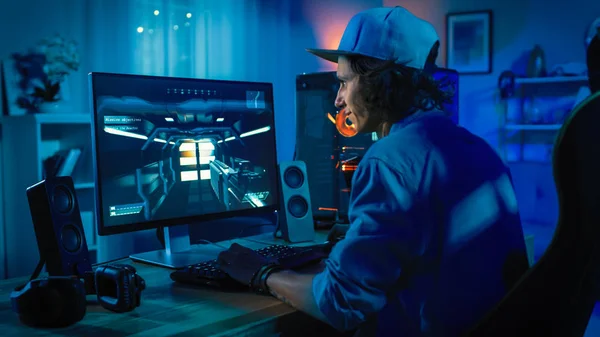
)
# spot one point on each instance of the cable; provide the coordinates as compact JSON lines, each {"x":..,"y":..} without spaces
{"x":277,"y":231}
{"x":38,"y":270}
{"x":110,"y":261}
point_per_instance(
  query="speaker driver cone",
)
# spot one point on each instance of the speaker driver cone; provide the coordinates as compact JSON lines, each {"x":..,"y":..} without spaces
{"x":62,"y":200}
{"x":297,"y":206}
{"x":293,"y":177}
{"x":70,"y":236}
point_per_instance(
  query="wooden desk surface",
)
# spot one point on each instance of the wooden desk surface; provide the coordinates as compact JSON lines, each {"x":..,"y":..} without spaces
{"x":170,"y":309}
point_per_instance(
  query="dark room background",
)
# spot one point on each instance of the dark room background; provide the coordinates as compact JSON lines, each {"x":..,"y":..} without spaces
{"x":257,"y":40}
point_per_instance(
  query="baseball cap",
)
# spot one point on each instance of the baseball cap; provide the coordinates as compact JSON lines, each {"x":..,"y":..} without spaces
{"x":386,"y":33}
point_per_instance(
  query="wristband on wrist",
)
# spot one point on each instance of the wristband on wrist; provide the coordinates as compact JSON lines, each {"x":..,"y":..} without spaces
{"x":259,"y":281}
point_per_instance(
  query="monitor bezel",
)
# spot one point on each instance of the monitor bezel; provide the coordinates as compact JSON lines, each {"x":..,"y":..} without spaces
{"x":103,"y":230}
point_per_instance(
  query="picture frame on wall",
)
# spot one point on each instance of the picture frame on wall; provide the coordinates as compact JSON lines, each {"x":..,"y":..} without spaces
{"x":469,"y":42}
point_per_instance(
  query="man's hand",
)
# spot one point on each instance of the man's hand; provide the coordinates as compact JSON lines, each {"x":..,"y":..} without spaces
{"x":247,"y":267}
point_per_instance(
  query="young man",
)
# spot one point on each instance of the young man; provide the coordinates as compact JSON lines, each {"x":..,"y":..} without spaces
{"x":435,"y":239}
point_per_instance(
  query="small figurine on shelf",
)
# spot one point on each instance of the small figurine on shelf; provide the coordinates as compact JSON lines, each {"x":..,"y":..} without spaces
{"x":43,"y":72}
{"x":537,"y":63}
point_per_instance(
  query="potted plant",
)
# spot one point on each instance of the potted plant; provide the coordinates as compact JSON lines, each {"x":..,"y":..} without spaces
{"x":43,"y":72}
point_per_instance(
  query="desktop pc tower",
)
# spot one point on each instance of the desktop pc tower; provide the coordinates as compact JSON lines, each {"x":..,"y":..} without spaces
{"x":331,"y":158}
{"x":321,"y":147}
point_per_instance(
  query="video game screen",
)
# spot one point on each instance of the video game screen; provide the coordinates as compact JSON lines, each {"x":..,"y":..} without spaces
{"x":169,"y":148}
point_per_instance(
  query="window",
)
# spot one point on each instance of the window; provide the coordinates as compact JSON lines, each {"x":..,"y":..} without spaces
{"x":165,"y":36}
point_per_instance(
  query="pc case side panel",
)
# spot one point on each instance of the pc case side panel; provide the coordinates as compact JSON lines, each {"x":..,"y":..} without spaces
{"x":316,"y":139}
{"x":353,"y":147}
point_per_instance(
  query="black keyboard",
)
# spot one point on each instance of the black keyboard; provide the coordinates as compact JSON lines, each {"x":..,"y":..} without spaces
{"x":208,"y":273}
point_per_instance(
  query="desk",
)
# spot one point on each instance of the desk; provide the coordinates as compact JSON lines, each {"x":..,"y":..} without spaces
{"x":170,"y":309}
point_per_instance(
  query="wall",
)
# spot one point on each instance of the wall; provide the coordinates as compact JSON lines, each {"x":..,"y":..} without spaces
{"x":558,"y":27}
{"x":273,"y":51}
{"x":268,"y":56}
{"x":319,"y":24}
{"x":24,"y":23}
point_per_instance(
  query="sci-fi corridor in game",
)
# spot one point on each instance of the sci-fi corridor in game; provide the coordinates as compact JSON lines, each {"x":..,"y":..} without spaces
{"x":163,"y":160}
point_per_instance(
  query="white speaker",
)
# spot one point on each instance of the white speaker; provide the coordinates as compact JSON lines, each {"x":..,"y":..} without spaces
{"x":296,"y":218}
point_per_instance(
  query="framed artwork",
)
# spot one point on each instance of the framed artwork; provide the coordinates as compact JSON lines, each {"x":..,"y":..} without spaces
{"x":469,"y":42}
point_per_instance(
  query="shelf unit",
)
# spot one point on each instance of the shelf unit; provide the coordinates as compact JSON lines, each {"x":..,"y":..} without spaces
{"x":538,"y":138}
{"x":532,"y":127}
{"x":27,"y":141}
{"x":554,"y":79}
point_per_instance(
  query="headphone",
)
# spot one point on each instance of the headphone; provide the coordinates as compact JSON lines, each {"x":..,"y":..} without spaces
{"x":60,"y":301}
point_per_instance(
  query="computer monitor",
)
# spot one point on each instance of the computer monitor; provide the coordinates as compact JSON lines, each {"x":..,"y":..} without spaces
{"x":178,"y":151}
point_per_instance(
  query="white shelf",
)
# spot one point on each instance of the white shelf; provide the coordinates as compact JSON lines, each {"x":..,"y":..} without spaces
{"x":45,"y":118}
{"x":71,"y":118}
{"x":82,"y":186}
{"x":533,"y":127}
{"x":32,"y":138}
{"x":554,"y":79}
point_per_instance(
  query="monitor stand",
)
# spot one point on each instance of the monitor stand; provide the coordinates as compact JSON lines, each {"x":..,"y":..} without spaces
{"x":178,"y":251}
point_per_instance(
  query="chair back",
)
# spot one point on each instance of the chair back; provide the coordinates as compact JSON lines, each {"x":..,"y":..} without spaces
{"x":556,"y":296}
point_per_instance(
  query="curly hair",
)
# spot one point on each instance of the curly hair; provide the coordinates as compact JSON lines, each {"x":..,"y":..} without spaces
{"x":393,"y":92}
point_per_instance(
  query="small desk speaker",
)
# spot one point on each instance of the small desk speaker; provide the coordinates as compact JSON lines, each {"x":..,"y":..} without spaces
{"x":58,"y":228}
{"x":296,"y":217}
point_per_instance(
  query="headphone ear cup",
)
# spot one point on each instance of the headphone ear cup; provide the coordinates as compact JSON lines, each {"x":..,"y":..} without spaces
{"x":54,"y":302}
{"x":49,"y":308}
{"x":30,"y":307}
{"x":70,"y":303}
{"x":129,"y":296}
{"x":79,"y":301}
{"x":117,"y":287}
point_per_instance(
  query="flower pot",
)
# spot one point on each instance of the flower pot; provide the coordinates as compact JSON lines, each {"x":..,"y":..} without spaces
{"x":52,"y":107}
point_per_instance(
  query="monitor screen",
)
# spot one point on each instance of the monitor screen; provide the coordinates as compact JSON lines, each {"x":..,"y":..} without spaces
{"x":172,"y":151}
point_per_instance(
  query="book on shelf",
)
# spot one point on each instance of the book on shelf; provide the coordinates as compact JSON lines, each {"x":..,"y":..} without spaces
{"x":62,"y":163}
